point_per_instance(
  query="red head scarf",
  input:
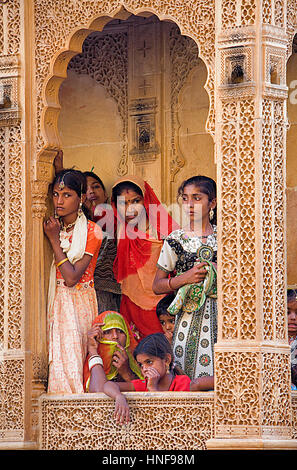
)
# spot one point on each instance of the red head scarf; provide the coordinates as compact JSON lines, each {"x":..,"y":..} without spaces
{"x":132,"y":253}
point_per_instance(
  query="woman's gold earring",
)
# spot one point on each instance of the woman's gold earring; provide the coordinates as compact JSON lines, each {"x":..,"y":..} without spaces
{"x":211,"y":214}
{"x":79,"y":212}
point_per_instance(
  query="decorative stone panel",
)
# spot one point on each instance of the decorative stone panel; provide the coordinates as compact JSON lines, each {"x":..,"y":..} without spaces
{"x":159,"y":421}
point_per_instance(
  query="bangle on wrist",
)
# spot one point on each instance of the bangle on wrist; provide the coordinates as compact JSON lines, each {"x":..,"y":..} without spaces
{"x":169,"y":283}
{"x":94,"y":361}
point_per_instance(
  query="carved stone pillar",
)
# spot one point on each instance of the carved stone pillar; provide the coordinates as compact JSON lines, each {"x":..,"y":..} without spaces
{"x":38,"y":291}
{"x":252,"y":356}
{"x":14,"y":359}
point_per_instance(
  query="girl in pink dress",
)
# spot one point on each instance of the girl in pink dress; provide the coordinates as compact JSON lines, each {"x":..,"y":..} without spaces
{"x":72,"y":303}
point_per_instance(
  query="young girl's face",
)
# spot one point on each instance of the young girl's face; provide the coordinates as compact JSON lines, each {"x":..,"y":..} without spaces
{"x":66,"y":201}
{"x":292,"y":318}
{"x":95,"y":193}
{"x":196,"y":203}
{"x":167,"y":322}
{"x":131,"y":206}
{"x":146,"y":361}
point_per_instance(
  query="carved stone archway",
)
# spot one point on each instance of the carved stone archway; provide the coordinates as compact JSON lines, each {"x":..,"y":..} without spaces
{"x":68,"y":25}
{"x":241,"y":42}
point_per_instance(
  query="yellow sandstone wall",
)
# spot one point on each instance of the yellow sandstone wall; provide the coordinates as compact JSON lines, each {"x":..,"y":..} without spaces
{"x":292,"y":172}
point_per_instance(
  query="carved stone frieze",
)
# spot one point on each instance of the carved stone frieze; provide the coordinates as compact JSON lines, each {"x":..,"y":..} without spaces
{"x":158,"y":421}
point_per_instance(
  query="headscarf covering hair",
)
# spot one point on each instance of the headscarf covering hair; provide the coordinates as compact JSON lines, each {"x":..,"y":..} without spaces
{"x":138,"y":250}
{"x":107,"y":348}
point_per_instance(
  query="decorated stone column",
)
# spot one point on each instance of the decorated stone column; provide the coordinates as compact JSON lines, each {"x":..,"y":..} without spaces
{"x":40,"y":259}
{"x":252,"y":355}
{"x":15,"y":360}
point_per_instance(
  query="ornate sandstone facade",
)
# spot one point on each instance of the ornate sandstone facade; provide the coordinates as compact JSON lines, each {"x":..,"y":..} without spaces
{"x":243,"y":48}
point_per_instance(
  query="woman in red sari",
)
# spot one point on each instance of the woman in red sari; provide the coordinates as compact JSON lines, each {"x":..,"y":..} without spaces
{"x":143,"y":223}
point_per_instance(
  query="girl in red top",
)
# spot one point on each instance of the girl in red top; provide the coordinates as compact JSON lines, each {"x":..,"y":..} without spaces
{"x":155,"y":359}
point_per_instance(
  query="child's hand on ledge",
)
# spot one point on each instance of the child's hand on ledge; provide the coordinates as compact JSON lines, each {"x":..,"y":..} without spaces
{"x":121,"y":411}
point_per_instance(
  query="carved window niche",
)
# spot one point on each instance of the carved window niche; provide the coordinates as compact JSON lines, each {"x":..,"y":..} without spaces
{"x":143,"y":129}
{"x":236,"y":71}
{"x":275,"y":75}
{"x":275,"y":70}
{"x":9,"y":76}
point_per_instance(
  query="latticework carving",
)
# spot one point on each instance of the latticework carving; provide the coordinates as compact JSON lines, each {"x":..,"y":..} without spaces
{"x":277,"y":394}
{"x":237,"y":405}
{"x":247,"y":227}
{"x":105,"y":59}
{"x":229,"y":178}
{"x":235,"y":13}
{"x":273,"y":209}
{"x":184,"y":57}
{"x":2,"y":235}
{"x":238,"y":201}
{"x":16,"y":237}
{"x":12,"y":386}
{"x":158,"y":421}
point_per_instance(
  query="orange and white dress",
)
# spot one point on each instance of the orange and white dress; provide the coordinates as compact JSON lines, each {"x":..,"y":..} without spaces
{"x":71,"y":316}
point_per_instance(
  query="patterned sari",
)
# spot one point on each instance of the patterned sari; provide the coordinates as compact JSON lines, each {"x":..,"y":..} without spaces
{"x":195,"y":306}
{"x":294,"y":363}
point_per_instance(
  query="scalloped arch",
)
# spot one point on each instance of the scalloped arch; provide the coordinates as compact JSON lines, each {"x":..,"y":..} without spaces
{"x":48,"y":140}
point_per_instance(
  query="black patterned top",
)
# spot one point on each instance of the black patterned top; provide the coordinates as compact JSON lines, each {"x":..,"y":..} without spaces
{"x":179,"y":251}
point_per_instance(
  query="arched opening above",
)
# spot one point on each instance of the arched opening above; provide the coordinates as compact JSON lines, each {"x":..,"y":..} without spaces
{"x":132,"y":78}
{"x":49,"y":106}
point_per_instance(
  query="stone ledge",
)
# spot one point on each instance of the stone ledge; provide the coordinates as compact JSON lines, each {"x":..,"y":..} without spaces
{"x":251,"y":444}
{"x":159,"y":421}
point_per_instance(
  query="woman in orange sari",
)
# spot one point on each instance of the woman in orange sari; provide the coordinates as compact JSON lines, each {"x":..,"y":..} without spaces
{"x":143,"y":223}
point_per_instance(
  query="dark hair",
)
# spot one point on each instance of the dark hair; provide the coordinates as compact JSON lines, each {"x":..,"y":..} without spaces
{"x":96,"y":177}
{"x":156,"y":345}
{"x":206,"y":185}
{"x":163,"y":304}
{"x":125,"y":185}
{"x":75,"y":180}
{"x":291,"y":295}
